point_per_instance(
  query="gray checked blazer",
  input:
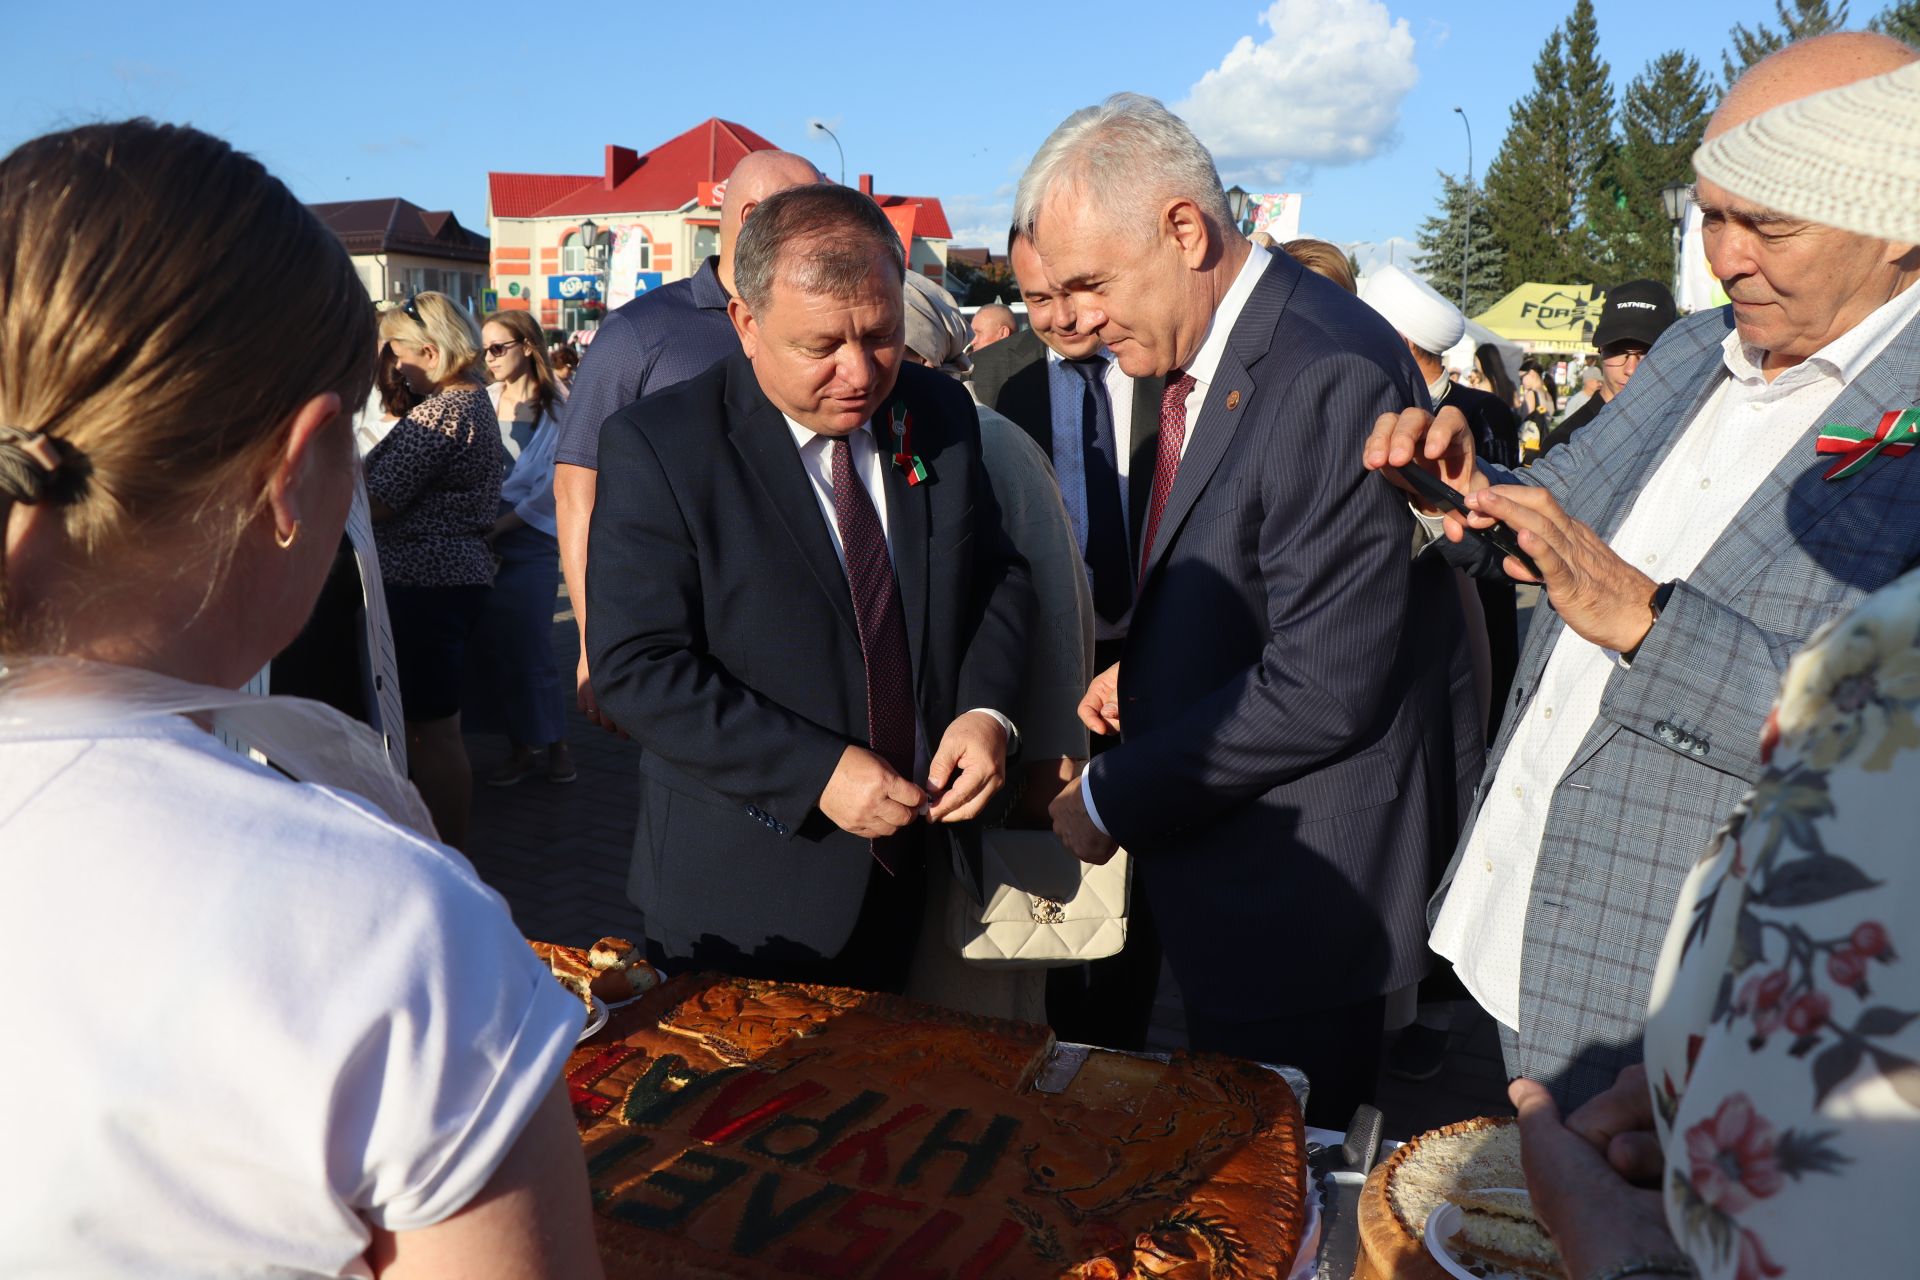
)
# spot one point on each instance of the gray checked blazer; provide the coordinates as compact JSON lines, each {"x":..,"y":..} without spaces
{"x":1676,"y":743}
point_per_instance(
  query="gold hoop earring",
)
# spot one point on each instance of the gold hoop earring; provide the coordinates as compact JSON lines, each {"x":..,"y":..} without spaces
{"x":286,"y":540}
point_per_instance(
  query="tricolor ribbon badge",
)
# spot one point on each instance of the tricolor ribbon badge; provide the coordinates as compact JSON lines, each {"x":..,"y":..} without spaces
{"x":1896,"y":436}
{"x":903,"y":455}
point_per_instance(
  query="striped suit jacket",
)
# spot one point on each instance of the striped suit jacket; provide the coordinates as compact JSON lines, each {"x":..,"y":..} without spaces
{"x":1676,"y":743}
{"x":1298,"y":731}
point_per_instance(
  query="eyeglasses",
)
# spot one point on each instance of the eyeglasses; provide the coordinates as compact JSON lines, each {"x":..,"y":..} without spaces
{"x":412,"y":311}
{"x":1618,"y":358}
{"x":495,"y":350}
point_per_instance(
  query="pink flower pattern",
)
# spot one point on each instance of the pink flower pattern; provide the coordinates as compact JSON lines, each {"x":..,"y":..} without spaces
{"x":1732,"y":1158}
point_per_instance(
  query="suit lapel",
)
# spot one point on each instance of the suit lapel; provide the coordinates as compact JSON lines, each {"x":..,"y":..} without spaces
{"x":764,"y":441}
{"x":1211,"y":433}
{"x":1796,"y":495}
{"x":907,"y":525}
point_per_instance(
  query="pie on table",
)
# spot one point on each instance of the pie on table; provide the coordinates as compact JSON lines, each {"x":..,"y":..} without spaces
{"x":738,"y":1128}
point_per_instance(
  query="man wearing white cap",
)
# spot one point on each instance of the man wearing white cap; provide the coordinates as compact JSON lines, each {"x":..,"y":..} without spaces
{"x":1731,"y":500}
{"x":1432,"y":325}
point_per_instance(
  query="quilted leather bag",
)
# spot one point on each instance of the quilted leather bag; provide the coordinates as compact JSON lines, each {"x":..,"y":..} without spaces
{"x":1044,"y":908}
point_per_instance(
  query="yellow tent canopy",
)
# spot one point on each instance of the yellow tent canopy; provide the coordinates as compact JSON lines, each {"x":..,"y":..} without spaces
{"x":1547,"y":317}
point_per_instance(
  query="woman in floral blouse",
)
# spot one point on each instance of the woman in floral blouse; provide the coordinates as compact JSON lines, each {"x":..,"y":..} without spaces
{"x":435,"y":483}
{"x":1775,"y":1128}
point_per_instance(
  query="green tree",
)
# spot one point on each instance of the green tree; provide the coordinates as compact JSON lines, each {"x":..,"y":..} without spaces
{"x":1805,"y":18}
{"x":1662,"y":115}
{"x":1901,"y":21}
{"x":1554,"y":160}
{"x":1442,"y":241}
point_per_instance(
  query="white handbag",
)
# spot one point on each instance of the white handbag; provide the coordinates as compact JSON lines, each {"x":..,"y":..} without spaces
{"x":1040,"y":907}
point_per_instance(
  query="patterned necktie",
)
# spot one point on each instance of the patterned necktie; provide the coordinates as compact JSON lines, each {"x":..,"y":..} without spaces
{"x":882,"y":621}
{"x":1166,"y":464}
{"x":1106,"y":525}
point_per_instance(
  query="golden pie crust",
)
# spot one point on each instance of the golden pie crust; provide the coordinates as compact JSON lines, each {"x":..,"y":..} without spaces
{"x":1389,"y":1246}
{"x":737,"y":1128}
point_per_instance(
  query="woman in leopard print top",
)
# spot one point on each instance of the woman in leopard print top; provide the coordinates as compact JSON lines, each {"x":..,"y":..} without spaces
{"x":435,"y":484}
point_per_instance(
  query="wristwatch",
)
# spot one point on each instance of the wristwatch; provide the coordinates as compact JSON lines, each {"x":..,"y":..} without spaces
{"x":1656,"y":606}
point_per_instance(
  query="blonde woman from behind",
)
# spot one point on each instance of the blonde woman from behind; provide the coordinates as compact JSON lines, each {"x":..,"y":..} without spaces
{"x":339,"y":1059}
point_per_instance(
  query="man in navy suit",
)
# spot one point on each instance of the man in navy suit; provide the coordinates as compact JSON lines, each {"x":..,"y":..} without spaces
{"x":1294,"y":701}
{"x":804,"y":608}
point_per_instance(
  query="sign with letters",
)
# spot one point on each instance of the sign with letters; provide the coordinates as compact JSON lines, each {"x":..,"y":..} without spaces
{"x":575,"y":286}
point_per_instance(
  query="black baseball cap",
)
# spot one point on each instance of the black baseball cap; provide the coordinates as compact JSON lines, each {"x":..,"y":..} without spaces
{"x":1637,"y":311}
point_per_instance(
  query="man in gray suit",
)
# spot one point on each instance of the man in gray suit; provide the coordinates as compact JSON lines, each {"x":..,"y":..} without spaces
{"x":1690,"y":540}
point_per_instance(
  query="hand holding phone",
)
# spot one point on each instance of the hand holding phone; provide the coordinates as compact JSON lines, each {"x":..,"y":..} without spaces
{"x":1500,"y":537}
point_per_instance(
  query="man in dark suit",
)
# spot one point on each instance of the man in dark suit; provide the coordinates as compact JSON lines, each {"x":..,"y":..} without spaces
{"x":1292,"y":680}
{"x":1099,"y":428}
{"x":805,"y":610}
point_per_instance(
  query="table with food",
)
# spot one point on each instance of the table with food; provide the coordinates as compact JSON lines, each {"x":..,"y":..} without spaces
{"x":740,"y":1128}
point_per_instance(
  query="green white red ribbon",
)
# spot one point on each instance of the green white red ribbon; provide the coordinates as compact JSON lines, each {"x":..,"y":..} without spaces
{"x":904,"y":457}
{"x":1895,"y":437}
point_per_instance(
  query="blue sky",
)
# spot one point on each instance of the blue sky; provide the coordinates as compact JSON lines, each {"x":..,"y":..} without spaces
{"x":1347,"y":101}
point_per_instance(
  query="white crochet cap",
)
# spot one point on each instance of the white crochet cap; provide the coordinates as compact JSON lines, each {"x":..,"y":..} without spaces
{"x":1846,"y":158}
{"x":1414,"y":307}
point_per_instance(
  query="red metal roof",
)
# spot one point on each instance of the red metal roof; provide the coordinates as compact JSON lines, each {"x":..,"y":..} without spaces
{"x":666,"y":177}
{"x":521,"y":195}
{"x":930,"y":222}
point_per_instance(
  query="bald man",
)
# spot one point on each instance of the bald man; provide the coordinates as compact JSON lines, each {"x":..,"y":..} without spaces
{"x":660,"y":339}
{"x":992,"y":323}
{"x":1690,"y":541}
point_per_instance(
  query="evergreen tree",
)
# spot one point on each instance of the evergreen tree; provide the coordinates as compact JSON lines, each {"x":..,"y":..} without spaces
{"x":1805,"y":18}
{"x":1552,"y":164}
{"x":1442,"y":242}
{"x":1900,"y":20}
{"x":1662,"y":115}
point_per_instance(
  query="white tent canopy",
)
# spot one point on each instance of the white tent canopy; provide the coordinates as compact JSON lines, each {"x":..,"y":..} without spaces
{"x":1458,"y":358}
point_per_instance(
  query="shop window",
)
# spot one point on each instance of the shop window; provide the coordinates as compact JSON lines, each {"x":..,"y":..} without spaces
{"x":706,"y":243}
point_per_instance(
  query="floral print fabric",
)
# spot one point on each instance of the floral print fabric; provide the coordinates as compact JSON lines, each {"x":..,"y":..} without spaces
{"x":1784,"y":1046}
{"x":440,"y":470}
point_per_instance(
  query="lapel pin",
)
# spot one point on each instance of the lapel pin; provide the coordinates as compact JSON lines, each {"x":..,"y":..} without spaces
{"x":1233,"y":399}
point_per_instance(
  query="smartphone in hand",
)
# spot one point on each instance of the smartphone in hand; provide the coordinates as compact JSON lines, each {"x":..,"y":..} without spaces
{"x":1499,"y":536}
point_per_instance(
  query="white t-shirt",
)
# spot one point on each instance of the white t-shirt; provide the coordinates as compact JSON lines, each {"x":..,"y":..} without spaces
{"x":244,"y":1017}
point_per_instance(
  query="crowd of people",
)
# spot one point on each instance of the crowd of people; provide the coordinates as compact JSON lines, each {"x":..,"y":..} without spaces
{"x":867,"y":582}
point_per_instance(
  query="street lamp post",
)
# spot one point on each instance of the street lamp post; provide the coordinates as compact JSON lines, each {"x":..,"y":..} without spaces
{"x":1674,"y":198}
{"x":821,"y":127}
{"x":1466,"y":230}
{"x":589,"y":233}
{"x":1238,"y":202}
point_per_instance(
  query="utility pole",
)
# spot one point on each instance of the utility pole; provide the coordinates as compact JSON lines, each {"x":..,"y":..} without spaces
{"x":1466,"y":231}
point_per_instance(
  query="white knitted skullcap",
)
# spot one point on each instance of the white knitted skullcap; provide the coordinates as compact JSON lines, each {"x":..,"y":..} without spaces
{"x":1846,"y":158}
{"x":1412,"y":306}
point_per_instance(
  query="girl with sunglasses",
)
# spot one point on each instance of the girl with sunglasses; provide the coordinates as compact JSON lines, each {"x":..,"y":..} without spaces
{"x":513,"y":684}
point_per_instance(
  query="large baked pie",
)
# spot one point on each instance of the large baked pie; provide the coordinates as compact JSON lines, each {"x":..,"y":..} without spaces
{"x":737,"y":1128}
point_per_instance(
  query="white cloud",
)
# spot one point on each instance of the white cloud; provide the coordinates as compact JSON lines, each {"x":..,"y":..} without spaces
{"x":980,"y":220}
{"x":1323,"y":88}
{"x":1372,"y":254}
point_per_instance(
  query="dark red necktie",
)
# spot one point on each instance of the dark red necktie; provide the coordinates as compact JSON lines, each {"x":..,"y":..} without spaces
{"x":1166,"y":463}
{"x":882,"y":622}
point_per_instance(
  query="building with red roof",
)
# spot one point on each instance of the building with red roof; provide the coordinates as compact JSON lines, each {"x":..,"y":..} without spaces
{"x":653,"y":216}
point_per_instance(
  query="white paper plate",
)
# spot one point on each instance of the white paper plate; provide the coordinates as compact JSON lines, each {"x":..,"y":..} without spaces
{"x":1441,"y":1225}
{"x":595,"y":1020}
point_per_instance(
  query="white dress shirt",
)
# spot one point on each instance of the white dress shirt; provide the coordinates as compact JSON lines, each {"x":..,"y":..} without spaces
{"x":1202,"y":368}
{"x":869,"y":467}
{"x":1065,"y":391}
{"x":1738,"y":438}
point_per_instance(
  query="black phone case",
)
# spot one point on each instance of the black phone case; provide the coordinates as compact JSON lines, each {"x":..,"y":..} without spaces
{"x":1500,"y":537}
